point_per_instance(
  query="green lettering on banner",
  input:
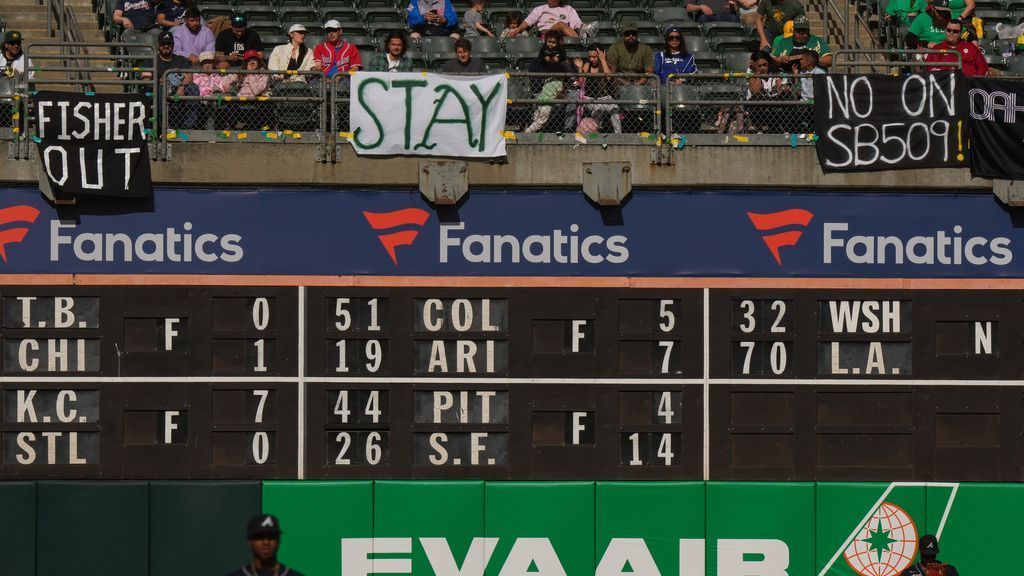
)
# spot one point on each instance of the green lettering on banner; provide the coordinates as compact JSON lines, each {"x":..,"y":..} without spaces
{"x":408,"y":86}
{"x":376,"y":121}
{"x":445,"y":91}
{"x":484,"y":105}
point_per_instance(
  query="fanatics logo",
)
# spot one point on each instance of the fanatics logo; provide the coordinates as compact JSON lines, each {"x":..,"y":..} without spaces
{"x":14,"y":235}
{"x":389,"y":220}
{"x":774,"y":221}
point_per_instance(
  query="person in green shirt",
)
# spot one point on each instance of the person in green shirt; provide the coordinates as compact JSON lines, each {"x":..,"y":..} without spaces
{"x":929,"y":28}
{"x":901,"y":12}
{"x":630,"y":56}
{"x":393,"y":58}
{"x":961,"y":9}
{"x":772,"y":16}
{"x":786,"y":51}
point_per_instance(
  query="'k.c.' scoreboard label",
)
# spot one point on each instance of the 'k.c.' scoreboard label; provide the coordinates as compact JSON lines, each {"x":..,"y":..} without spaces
{"x":596,"y":383}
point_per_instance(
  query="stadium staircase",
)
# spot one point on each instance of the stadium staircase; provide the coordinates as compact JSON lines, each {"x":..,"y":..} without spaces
{"x":30,"y":18}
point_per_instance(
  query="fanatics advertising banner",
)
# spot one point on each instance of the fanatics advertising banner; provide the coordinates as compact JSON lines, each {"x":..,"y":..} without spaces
{"x":867,"y":123}
{"x":418,"y":114}
{"x":525,"y":232}
{"x":996,"y":134}
{"x":94,"y":144}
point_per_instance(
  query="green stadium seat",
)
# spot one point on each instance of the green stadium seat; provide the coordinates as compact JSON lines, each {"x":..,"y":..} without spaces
{"x":244,"y":4}
{"x":494,"y":60}
{"x":573,"y":41}
{"x":613,"y":4}
{"x":736,"y":61}
{"x":607,"y":26}
{"x":988,"y":5}
{"x":688,"y":28}
{"x":695,"y":43}
{"x":605,"y":40}
{"x":653,"y":40}
{"x":686,"y":118}
{"x":351,"y":28}
{"x":275,"y":39}
{"x":294,"y":3}
{"x":292,"y":16}
{"x":1015,"y":65}
{"x":573,"y":53}
{"x":523,"y":45}
{"x":994,"y":16}
{"x":365,"y":55}
{"x":295,"y":115}
{"x":257,"y":14}
{"x":341,"y":15}
{"x":497,"y":17}
{"x":588,"y":15}
{"x":706,"y":60}
{"x":995,"y":61}
{"x":1015,"y":6}
{"x":668,"y":13}
{"x":647,"y":27}
{"x":393,"y":4}
{"x":723,"y":44}
{"x":265,"y":30}
{"x":582,"y":4}
{"x":313,"y":27}
{"x":713,"y":29}
{"x":521,"y":63}
{"x":380,"y":30}
{"x":496,"y":4}
{"x":331,"y":4}
{"x":434,"y":44}
{"x":634,"y":14}
{"x":362,"y":42}
{"x":485,"y":44}
{"x":382,"y":15}
{"x":213,"y":10}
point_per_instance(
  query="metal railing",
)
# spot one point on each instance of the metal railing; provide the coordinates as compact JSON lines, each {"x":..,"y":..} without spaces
{"x":891,"y":61}
{"x":243,"y":106}
{"x":740,"y":104}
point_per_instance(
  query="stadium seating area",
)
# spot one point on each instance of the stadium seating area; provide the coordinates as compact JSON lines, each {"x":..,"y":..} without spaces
{"x":721,"y":46}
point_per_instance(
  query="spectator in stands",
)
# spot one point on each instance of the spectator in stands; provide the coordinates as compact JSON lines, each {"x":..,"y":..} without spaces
{"x":231,"y":44}
{"x":972,"y":60}
{"x":464,"y":63}
{"x":673,"y":58}
{"x":787,"y":51}
{"x":193,"y":38}
{"x":432,"y":18}
{"x":167,"y":60}
{"x":13,"y":67}
{"x":294,"y":55}
{"x":766,"y":119}
{"x":809,"y":66}
{"x":257,"y":84}
{"x":772,"y":16}
{"x":900,"y":12}
{"x":630,"y":56}
{"x":747,"y":11}
{"x":512,"y":21}
{"x":13,"y":62}
{"x":335,"y":56}
{"x":594,"y":90}
{"x":393,"y":58}
{"x":715,"y":11}
{"x":959,"y":9}
{"x":209,"y":80}
{"x":474,"y":20}
{"x":552,"y":60}
{"x":171,"y":13}
{"x":929,"y":28}
{"x":553,"y":16}
{"x":138,"y":15}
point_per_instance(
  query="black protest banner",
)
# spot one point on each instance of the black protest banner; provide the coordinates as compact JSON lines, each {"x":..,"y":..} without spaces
{"x":996,"y":135}
{"x":94,"y":143}
{"x":870,"y":122}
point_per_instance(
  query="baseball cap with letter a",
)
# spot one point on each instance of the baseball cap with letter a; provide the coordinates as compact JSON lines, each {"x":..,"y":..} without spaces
{"x":263,"y":525}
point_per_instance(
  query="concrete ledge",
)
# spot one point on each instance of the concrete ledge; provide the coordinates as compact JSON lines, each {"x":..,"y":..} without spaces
{"x":747,"y":166}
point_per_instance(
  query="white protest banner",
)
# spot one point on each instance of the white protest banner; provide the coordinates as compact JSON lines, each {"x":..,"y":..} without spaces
{"x":412,"y":113}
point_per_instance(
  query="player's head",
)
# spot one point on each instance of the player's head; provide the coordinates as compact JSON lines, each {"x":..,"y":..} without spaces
{"x":929,"y":546}
{"x":264,"y":534}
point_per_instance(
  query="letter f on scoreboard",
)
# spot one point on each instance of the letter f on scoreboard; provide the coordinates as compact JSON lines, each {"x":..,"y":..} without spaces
{"x":774,"y":221}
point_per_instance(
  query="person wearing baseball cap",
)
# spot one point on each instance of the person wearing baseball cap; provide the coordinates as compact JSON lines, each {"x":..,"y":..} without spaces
{"x":12,"y":60}
{"x":786,"y":51}
{"x":335,"y":56}
{"x":928,"y":29}
{"x":294,"y":55}
{"x":264,"y":535}
{"x":232,"y":43}
{"x":630,"y":56}
{"x":929,"y":564}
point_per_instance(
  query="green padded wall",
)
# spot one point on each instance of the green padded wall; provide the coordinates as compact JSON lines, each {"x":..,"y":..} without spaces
{"x":315,"y":516}
{"x":97,"y":528}
{"x":200,"y":525}
{"x":18,"y":528}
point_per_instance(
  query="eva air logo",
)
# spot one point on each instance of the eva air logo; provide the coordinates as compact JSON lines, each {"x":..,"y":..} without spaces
{"x":885,"y":545}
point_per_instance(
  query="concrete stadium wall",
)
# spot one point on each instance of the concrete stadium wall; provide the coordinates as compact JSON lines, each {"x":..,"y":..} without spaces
{"x":528,"y":165}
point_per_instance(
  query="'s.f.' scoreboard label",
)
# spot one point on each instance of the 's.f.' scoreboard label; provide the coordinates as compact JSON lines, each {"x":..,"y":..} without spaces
{"x":205,"y":382}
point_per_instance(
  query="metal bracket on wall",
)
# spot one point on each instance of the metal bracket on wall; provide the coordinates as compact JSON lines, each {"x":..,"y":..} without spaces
{"x":662,"y":155}
{"x":1009,"y":192}
{"x":444,"y":182}
{"x":607,"y":183}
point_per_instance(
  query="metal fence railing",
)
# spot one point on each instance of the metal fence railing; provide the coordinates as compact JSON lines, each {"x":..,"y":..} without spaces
{"x":243,"y":105}
{"x":740,"y":104}
{"x":10,"y":115}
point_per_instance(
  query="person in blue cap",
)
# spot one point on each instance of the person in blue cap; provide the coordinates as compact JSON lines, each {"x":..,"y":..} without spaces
{"x":264,"y":535}
{"x":930,"y":564}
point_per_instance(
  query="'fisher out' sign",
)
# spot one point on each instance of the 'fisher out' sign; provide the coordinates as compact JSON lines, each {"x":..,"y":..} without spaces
{"x":94,"y":144}
{"x":868,"y":123}
{"x":428,"y":114}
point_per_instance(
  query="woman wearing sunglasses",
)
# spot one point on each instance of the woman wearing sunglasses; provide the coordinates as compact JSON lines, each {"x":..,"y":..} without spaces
{"x":673,"y":58}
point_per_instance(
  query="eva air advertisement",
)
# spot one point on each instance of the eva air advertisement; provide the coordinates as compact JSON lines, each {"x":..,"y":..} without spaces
{"x":640,"y":528}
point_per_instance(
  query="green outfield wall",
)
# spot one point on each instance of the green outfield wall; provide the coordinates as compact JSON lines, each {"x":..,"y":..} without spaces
{"x":357,"y":528}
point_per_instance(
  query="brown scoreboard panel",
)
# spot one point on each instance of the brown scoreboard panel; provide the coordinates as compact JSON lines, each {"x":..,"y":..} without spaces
{"x":195,"y":382}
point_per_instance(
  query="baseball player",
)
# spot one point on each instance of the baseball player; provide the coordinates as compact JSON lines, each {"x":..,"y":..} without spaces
{"x":264,"y":534}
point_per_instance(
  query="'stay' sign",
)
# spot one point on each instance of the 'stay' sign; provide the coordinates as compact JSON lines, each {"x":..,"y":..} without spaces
{"x":869,"y":123}
{"x":428,"y":115}
{"x":94,"y":144}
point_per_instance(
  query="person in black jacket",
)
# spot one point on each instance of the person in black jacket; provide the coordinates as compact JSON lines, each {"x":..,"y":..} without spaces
{"x":929,"y":564}
{"x":264,"y":534}
{"x":551,"y":59}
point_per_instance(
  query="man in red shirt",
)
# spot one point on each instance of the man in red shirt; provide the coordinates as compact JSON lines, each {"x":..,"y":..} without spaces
{"x":971,"y":58}
{"x":334,"y":55}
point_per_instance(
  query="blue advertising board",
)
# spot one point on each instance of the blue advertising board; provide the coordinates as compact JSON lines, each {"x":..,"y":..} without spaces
{"x":520,"y":232}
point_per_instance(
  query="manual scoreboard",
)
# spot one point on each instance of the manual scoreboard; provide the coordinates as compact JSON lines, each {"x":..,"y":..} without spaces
{"x":134,"y":382}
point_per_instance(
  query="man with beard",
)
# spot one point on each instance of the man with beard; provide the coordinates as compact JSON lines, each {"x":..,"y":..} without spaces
{"x":264,"y":534}
{"x":786,"y":51}
{"x":193,"y":38}
{"x":630,"y":56}
{"x":928,"y":29}
{"x":238,"y":40}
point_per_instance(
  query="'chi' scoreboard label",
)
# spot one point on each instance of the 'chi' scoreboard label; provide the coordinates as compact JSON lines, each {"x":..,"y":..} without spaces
{"x":335,"y":382}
